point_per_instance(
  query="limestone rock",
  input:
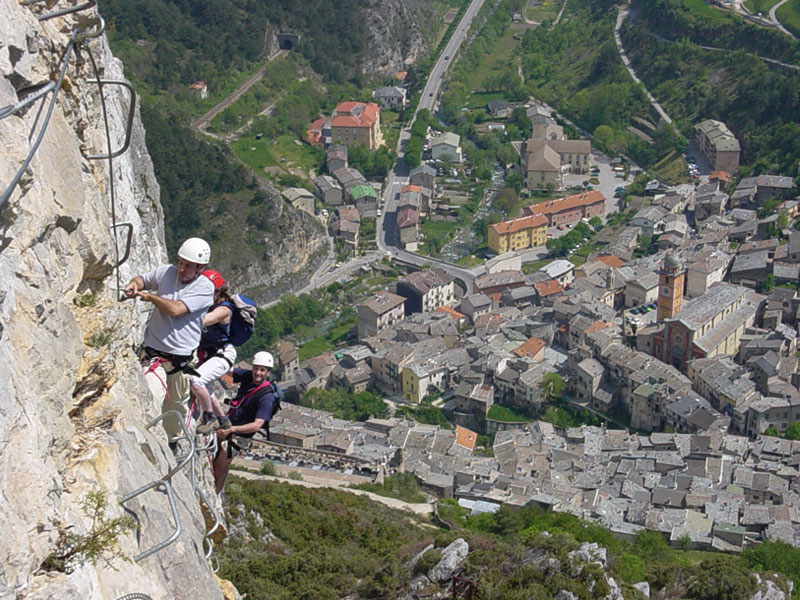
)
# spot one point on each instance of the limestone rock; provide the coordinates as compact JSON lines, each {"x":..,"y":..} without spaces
{"x":643,"y":587}
{"x":565,"y":595}
{"x":451,"y":559}
{"x":75,"y":405}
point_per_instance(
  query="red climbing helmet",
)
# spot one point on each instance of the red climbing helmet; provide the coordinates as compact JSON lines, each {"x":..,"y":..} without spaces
{"x":215,"y":278}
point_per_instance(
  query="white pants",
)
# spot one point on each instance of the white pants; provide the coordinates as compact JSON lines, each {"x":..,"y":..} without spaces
{"x":214,"y":368}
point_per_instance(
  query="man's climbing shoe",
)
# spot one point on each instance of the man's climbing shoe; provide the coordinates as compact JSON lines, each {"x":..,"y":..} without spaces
{"x":224,"y":422}
{"x":208,"y":424}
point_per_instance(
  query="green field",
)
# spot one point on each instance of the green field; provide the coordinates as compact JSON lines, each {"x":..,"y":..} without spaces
{"x":498,"y":59}
{"x":760,"y":6}
{"x":259,"y":154}
{"x":505,"y":414}
{"x":532,"y":267}
{"x":546,"y":11}
{"x":436,"y":230}
{"x":702,"y":10}
{"x":789,"y":16}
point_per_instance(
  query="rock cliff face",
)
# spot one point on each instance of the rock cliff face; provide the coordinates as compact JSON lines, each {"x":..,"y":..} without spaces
{"x":74,"y":405}
{"x":395,"y":34}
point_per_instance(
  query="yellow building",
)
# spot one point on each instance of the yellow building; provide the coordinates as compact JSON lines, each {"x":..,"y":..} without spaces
{"x":518,"y":234}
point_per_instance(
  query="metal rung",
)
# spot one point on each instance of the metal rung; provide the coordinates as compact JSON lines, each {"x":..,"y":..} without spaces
{"x":165,"y":482}
{"x":127,"y":242}
{"x":159,"y":483}
{"x":63,"y":11}
{"x":129,"y":125}
{"x":79,"y":36}
{"x":46,"y":88}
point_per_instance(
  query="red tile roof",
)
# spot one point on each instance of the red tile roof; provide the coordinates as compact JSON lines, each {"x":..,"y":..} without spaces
{"x":597,"y":326}
{"x":565,"y":203}
{"x":355,"y":114}
{"x":314,"y":131}
{"x":451,"y":312}
{"x":515,"y":225}
{"x":410,"y":188}
{"x":530,"y":348}
{"x":549,"y":287}
{"x":611,"y":260}
{"x":466,"y":438}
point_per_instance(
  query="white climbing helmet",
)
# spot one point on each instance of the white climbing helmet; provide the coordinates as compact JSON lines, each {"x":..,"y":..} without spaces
{"x":263,"y":359}
{"x":195,"y":250}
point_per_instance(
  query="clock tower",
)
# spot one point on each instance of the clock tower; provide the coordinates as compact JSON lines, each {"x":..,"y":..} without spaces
{"x":670,"y":288}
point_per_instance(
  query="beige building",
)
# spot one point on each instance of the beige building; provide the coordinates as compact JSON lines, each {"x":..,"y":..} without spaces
{"x":357,"y":123}
{"x":575,"y":153}
{"x":542,"y":168}
{"x":382,"y":310}
{"x":718,"y":145}
{"x":517,"y":234}
{"x":426,"y":290}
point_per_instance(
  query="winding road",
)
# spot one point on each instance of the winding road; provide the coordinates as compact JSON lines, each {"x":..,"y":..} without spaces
{"x":773,"y":16}
{"x":387,"y":234}
{"x":621,"y":16}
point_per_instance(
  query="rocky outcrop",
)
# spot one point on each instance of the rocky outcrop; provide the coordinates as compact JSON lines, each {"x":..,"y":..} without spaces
{"x":394,"y":30}
{"x":75,"y":407}
{"x":452,"y":557}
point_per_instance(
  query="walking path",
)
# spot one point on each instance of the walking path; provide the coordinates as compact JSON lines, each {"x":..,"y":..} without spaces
{"x":425,"y":508}
{"x":621,"y":15}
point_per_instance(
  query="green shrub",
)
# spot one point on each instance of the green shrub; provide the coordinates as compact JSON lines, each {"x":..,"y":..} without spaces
{"x":428,"y":560}
{"x":268,"y":468}
{"x":101,"y":541}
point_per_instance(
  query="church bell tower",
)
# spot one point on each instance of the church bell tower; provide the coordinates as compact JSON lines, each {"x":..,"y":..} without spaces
{"x":670,"y":288}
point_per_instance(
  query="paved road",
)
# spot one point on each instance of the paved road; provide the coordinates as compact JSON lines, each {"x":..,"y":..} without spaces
{"x":387,"y":234}
{"x":774,"y":18}
{"x":431,"y":90}
{"x":236,"y":94}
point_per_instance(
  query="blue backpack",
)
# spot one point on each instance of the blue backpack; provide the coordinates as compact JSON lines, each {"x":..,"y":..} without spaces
{"x":243,"y":319}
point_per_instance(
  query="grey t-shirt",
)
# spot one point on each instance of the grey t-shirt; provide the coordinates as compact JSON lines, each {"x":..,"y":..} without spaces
{"x":177,"y":335}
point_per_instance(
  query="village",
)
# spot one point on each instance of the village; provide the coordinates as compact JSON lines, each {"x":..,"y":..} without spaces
{"x":678,"y":332}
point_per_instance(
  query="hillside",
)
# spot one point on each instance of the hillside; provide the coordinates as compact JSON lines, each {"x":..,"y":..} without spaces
{"x":167,"y":45}
{"x":292,"y":542}
{"x":576,"y":68}
{"x":757,"y":100}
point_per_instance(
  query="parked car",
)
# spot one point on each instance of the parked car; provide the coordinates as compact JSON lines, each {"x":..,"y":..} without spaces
{"x":560,"y":228}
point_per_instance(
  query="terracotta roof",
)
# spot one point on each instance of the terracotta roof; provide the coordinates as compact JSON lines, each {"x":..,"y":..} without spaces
{"x":355,"y":114}
{"x":720,"y":175}
{"x":566,"y":203}
{"x":549,"y":287}
{"x":530,"y":348}
{"x":314,"y":131}
{"x":410,"y":188}
{"x":611,"y":260}
{"x":466,"y":438}
{"x":451,"y":312}
{"x":515,"y":225}
{"x":597,"y":326}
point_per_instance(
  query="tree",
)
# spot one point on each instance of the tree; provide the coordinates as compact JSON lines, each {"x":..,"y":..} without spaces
{"x":768,"y":284}
{"x":552,"y":386}
{"x":772,"y":431}
{"x":793,"y":431}
{"x":596,"y":222}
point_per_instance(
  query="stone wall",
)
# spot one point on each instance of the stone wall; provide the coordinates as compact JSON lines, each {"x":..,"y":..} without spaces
{"x":74,"y":405}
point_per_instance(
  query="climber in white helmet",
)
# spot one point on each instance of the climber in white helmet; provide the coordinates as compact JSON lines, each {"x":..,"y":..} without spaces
{"x":181,"y":298}
{"x":256,"y":402}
